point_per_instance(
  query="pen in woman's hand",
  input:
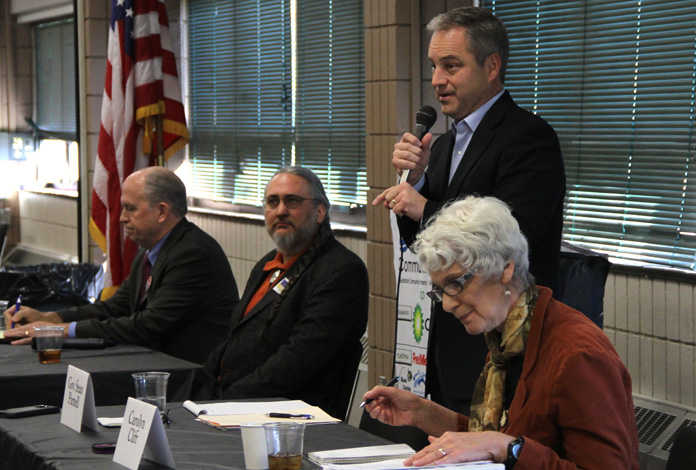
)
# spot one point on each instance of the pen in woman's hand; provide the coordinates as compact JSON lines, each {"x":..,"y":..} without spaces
{"x":391,"y":383}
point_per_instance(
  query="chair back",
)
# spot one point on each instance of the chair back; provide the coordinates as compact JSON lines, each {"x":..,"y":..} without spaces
{"x":339,"y":405}
{"x":683,"y":453}
{"x":581,"y":280}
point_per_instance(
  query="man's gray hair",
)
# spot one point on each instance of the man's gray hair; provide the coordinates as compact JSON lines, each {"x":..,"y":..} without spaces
{"x":487,"y":34}
{"x":162,"y":185}
{"x":478,"y":233}
{"x":315,"y":185}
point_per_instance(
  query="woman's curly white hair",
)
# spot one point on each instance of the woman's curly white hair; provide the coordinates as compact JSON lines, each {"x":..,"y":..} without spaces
{"x":478,"y":233}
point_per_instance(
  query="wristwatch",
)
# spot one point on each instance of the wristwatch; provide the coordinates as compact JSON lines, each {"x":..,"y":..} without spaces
{"x":513,"y":452}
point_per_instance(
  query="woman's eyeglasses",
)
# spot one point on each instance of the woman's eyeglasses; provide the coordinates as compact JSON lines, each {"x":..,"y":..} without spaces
{"x":451,"y":288}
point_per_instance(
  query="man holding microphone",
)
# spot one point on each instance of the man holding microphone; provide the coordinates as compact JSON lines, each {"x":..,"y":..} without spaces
{"x":493,"y":148}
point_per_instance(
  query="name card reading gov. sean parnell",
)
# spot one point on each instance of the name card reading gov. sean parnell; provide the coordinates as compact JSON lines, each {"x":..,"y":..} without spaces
{"x":78,"y":401}
{"x":142,"y":436}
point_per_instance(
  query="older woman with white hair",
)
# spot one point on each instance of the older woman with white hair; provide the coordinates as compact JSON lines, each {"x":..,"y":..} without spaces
{"x":553,"y":394}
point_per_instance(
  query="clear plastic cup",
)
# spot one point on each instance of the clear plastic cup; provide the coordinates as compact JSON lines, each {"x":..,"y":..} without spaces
{"x":151,"y":387}
{"x":284,"y":443}
{"x":49,"y":343}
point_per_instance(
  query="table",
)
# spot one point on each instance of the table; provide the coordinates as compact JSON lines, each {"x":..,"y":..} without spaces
{"x":23,"y":381}
{"x":41,"y":442}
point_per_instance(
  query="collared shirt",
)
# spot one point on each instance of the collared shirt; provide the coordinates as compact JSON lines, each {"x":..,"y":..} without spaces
{"x":463,"y":131}
{"x":151,"y":254}
{"x":276,"y":269}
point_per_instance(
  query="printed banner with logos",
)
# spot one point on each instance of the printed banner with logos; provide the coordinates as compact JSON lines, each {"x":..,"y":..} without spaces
{"x":413,"y":317}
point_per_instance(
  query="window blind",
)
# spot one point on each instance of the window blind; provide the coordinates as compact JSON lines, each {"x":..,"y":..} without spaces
{"x":55,"y":76}
{"x":252,"y":111}
{"x":617,"y":80}
{"x":330,"y":98}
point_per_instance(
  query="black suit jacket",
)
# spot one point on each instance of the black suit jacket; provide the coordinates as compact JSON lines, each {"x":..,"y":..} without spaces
{"x":189,"y":300}
{"x":303,"y":344}
{"x":515,"y":156}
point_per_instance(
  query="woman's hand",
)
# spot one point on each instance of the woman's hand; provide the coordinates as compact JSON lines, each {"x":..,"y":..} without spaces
{"x":454,"y":447}
{"x":394,"y":406}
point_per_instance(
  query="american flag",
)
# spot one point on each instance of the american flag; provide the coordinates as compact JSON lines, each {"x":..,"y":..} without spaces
{"x":141,"y":83}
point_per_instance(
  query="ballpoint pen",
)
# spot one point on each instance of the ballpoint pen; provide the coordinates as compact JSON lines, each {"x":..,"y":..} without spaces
{"x":290,"y":415}
{"x":18,"y":305}
{"x":391,"y":383}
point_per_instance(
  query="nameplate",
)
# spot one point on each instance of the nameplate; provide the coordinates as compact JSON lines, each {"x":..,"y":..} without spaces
{"x":142,"y":436}
{"x":78,"y":409}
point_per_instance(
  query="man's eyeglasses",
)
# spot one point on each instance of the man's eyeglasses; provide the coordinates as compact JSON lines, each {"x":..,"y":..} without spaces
{"x":451,"y":288}
{"x":291,"y":201}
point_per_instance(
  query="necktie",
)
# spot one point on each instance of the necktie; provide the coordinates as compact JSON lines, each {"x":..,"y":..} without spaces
{"x":145,"y":284}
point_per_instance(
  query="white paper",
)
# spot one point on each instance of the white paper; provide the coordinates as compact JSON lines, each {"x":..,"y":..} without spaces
{"x":142,"y":435}
{"x":398,"y":464}
{"x":244,"y":407}
{"x":361,"y":454}
{"x":192,"y":407}
{"x":110,"y":422}
{"x":78,"y":408}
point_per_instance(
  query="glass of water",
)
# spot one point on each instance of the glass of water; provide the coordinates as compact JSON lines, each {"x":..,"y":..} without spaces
{"x":4,"y":305}
{"x":151,"y":387}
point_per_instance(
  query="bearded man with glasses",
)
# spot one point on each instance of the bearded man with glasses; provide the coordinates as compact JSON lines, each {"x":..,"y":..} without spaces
{"x":296,"y":331}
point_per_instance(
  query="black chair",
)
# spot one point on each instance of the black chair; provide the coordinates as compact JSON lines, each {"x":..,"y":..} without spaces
{"x":683,"y":453}
{"x":581,"y":279}
{"x":339,"y":405}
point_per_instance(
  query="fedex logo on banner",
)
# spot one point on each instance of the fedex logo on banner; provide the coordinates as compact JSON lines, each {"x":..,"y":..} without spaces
{"x":419,"y":359}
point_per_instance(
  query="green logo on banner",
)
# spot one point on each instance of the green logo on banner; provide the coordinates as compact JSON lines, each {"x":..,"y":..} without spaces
{"x":418,"y":323}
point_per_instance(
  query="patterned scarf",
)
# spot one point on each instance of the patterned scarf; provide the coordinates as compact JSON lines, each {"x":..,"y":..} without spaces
{"x":489,"y":394}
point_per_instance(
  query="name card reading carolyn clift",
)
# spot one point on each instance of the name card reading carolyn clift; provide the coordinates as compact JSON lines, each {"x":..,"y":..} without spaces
{"x":142,"y":436}
{"x":78,"y":401}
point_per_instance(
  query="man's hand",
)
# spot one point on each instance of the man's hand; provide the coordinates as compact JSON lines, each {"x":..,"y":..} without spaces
{"x":403,"y":200}
{"x":412,"y":154}
{"x":25,"y":333}
{"x":28,"y":315}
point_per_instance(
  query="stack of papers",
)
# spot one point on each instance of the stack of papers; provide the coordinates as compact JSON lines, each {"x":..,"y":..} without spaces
{"x":361,"y":454}
{"x":397,"y":464}
{"x":233,"y":414}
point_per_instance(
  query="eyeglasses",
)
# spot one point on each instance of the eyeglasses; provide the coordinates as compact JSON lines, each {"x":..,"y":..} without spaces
{"x":291,"y":201}
{"x":451,"y":288}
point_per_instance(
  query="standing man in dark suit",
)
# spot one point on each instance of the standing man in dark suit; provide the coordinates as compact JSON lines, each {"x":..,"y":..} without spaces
{"x":180,"y":290}
{"x":296,"y":331}
{"x":494,"y":148}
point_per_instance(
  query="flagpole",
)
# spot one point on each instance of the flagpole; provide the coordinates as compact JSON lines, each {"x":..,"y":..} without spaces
{"x":160,"y":140}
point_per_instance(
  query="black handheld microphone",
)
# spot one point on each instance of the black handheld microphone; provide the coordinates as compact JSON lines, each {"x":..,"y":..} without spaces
{"x":425,"y":118}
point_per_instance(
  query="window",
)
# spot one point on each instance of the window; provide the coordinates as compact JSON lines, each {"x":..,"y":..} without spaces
{"x":55,"y":76}
{"x":276,"y":83}
{"x":55,"y":160}
{"x":617,"y":80}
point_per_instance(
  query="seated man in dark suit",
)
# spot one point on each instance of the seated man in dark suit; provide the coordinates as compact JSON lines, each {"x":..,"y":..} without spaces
{"x":296,"y":331}
{"x":180,"y":291}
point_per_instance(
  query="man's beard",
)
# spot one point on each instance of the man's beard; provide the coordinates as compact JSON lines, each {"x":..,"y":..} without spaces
{"x":292,"y":242}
